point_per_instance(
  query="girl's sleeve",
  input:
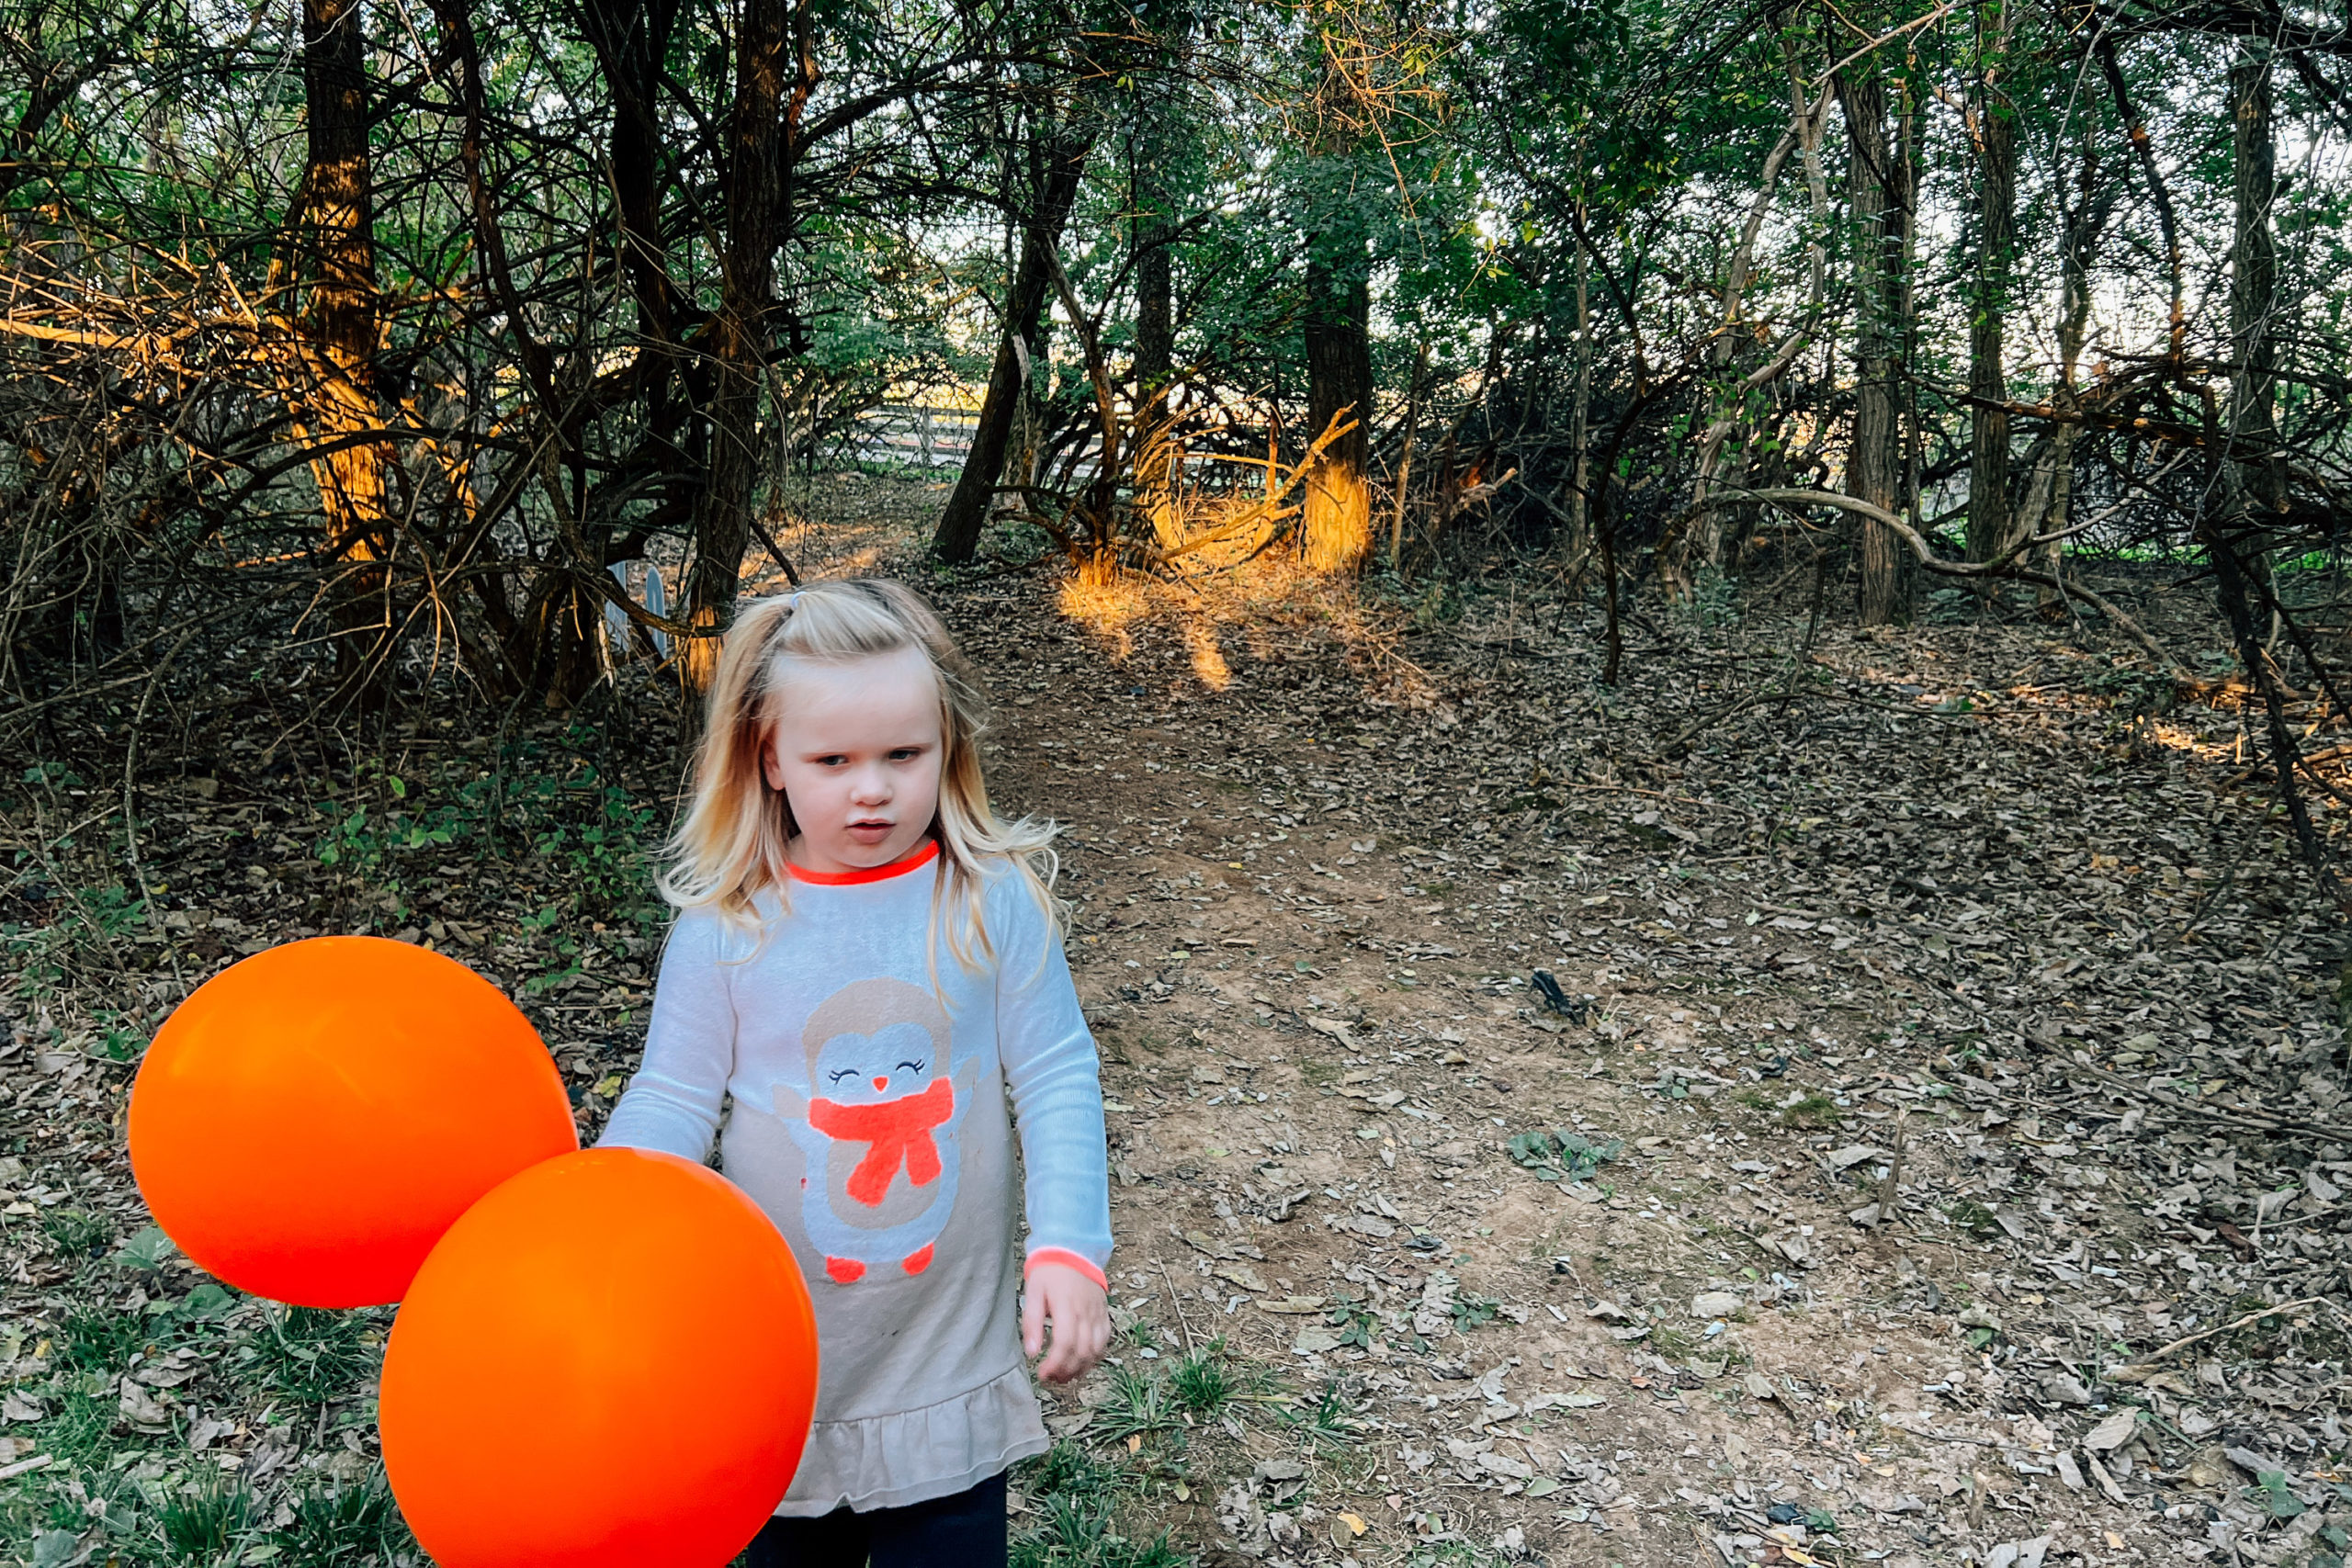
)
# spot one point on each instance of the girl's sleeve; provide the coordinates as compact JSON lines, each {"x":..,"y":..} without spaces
{"x":1056,"y":1089}
{"x":672,"y":1103}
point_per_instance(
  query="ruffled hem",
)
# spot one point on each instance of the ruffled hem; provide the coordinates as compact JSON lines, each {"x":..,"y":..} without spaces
{"x":912,"y":1456}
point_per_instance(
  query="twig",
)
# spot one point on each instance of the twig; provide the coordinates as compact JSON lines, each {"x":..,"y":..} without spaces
{"x":2140,"y":1371}
{"x":1931,"y":562}
{"x":1888,"y":1188}
{"x":131,"y":803}
{"x":1762,"y":694}
{"x":2206,"y":1114}
{"x":1944,"y":1437}
{"x":1659,"y":795}
{"x":1177,"y":1300}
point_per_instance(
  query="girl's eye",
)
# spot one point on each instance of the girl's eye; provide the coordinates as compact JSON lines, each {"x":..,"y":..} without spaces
{"x":909,"y":1067}
{"x":844,"y":1073}
{"x":906,"y":753}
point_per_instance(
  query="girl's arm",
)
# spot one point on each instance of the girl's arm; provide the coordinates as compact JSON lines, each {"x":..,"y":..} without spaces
{"x":672,"y":1103}
{"x":1051,"y":1071}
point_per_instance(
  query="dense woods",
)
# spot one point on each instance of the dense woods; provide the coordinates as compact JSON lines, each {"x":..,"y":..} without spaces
{"x":388,"y":333}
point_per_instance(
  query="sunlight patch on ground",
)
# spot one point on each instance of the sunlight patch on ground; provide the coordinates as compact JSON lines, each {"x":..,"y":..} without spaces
{"x":1106,"y":609}
{"x":1228,"y":595}
{"x":1208,"y":660}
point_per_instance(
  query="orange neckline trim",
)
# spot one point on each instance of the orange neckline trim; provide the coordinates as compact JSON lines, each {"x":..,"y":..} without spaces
{"x":912,"y":862}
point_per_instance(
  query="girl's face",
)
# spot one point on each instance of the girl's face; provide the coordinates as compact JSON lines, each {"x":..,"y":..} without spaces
{"x":857,"y":751}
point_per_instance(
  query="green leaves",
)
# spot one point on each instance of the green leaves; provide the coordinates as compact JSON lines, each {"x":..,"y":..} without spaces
{"x":1558,"y":1155}
{"x":1469,"y":1312}
{"x":144,"y":1252}
{"x":2281,"y":1502}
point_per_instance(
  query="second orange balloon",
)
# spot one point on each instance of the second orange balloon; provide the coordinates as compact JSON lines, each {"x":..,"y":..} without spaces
{"x":609,"y":1363}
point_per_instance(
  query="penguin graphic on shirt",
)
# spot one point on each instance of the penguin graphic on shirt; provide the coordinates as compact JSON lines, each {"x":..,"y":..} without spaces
{"x":877,"y":1123}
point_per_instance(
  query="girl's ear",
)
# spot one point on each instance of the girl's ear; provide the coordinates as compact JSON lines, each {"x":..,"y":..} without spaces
{"x":770,"y":768}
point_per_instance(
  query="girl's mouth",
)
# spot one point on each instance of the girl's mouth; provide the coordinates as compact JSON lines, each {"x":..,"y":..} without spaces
{"x":870,"y":832}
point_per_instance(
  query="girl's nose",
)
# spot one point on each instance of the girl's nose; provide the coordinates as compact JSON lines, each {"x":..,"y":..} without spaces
{"x":881,"y":1084}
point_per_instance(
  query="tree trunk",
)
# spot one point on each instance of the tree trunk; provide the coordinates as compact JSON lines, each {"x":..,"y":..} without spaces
{"x":631,"y":39}
{"x":1026,"y":439}
{"x":1338,"y":379}
{"x":759,"y":133}
{"x":2050,"y":490}
{"x":2253,"y":289}
{"x":1155,"y":453}
{"x":1997,"y":199}
{"x":1053,"y":189}
{"x":1879,"y":188}
{"x":1155,"y":314}
{"x":339,"y":333}
{"x":1580,"y":413}
{"x":1155,"y":278}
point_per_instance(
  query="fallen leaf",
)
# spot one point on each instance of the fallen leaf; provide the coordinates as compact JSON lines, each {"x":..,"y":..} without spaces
{"x":2113,"y":1432}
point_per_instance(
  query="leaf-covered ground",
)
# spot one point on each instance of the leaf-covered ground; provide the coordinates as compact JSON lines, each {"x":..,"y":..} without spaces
{"x":1929,"y":1147}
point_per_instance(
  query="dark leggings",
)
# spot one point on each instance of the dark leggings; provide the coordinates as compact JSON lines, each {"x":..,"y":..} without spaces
{"x":965,"y":1530}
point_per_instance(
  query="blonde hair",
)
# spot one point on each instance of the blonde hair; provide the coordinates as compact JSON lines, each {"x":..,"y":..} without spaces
{"x":732,"y":844}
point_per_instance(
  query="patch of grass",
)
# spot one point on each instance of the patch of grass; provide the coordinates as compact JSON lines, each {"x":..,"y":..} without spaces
{"x":1134,"y":1404}
{"x":1331,"y":1418}
{"x":1974,"y":1217}
{"x":1203,"y":1383}
{"x":202,"y":1523}
{"x":101,"y":1341}
{"x":342,"y":1524}
{"x":75,"y":1232}
{"x":550,"y":802}
{"x":1078,"y":1497}
{"x":1317,"y":1073}
{"x":1079,"y":1534}
{"x":1815,"y":1110}
{"x":83,"y":1427}
{"x":310,"y":1354}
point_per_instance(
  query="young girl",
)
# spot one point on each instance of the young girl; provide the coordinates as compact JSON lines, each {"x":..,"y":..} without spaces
{"x":867,"y":962}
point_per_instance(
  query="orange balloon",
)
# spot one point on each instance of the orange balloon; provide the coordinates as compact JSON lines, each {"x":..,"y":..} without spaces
{"x":308,"y":1123}
{"x":610,"y":1363}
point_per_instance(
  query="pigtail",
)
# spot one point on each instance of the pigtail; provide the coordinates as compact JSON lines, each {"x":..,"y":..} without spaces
{"x":731,"y":842}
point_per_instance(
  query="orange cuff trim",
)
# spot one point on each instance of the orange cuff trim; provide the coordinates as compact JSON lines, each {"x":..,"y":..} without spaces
{"x":1068,"y":1259}
{"x":914,"y":861}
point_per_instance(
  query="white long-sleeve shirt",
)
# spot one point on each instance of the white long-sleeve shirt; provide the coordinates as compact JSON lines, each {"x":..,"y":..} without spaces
{"x":869,"y":1120}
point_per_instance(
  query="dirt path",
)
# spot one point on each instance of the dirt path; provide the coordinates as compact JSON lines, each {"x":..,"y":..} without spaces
{"x":1873,"y":955}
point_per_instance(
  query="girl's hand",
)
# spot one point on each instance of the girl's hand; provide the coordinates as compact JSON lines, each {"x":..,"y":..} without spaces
{"x":1080,"y":1316}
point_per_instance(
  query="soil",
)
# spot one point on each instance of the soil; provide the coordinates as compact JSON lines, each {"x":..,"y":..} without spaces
{"x":1824,"y":1098}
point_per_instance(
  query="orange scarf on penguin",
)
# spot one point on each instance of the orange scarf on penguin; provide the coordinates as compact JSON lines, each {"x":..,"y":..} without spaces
{"x":896,"y":1133}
